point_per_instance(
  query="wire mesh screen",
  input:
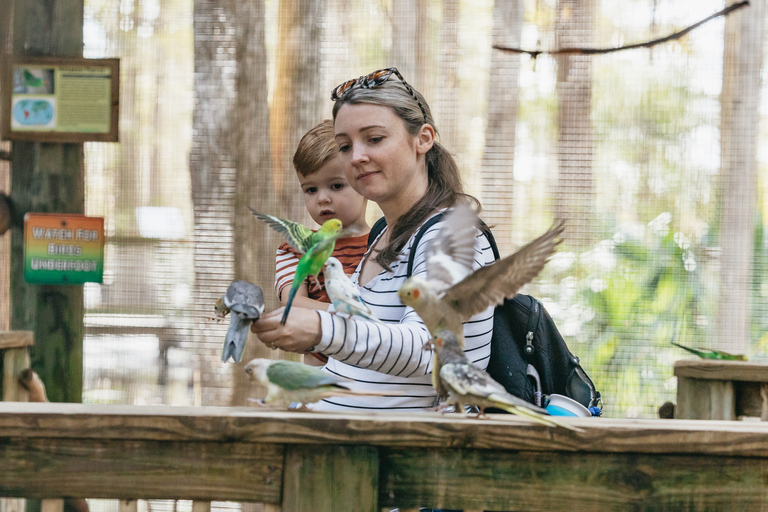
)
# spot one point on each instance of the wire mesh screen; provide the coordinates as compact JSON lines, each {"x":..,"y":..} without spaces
{"x":651,"y":155}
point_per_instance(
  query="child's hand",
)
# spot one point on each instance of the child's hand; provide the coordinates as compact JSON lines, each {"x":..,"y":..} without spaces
{"x":300,"y":333}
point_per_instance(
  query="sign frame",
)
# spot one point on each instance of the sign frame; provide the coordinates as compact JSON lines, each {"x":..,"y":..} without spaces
{"x":6,"y":131}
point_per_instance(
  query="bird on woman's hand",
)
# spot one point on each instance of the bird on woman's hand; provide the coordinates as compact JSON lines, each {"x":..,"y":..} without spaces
{"x":315,"y":246}
{"x":245,"y":302}
{"x":344,"y":294}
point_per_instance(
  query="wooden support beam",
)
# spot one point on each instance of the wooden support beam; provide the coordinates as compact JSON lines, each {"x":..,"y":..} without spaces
{"x":722,"y":370}
{"x":546,"y":481}
{"x":338,"y":478}
{"x":49,"y":468}
{"x":15,"y":360}
{"x":16,"y":339}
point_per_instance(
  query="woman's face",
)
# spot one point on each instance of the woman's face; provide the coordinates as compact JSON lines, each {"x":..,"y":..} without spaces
{"x":383,"y":162}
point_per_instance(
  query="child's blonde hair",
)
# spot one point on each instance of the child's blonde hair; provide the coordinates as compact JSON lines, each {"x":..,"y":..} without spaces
{"x":316,"y":148}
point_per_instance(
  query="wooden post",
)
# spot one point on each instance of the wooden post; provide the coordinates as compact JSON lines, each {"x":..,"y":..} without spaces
{"x":338,"y":478}
{"x":47,"y":177}
{"x":14,"y":345}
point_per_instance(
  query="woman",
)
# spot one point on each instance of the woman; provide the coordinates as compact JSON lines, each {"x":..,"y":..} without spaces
{"x":386,"y":136}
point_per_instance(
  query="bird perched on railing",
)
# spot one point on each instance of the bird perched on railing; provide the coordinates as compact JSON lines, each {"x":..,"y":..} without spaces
{"x":467,"y":384}
{"x":290,"y":382}
{"x":712,"y":354}
{"x":245,"y":302}
{"x":315,"y":246}
{"x":344,"y":294}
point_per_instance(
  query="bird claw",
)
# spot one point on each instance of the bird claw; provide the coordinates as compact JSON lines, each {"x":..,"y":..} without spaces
{"x":258,"y":401}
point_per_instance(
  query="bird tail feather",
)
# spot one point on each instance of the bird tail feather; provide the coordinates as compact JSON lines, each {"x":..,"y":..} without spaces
{"x":536,"y":417}
{"x":288,"y":304}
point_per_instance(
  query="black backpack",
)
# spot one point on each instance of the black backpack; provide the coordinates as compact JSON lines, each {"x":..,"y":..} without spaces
{"x":528,"y":355}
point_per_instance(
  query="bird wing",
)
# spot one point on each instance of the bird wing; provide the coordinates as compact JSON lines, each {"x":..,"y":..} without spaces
{"x":489,"y":286}
{"x":290,"y":375}
{"x":297,"y":235}
{"x":450,"y":254}
{"x":468,"y":380}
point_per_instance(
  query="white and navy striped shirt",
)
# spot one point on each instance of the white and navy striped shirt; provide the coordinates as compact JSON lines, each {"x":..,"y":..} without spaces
{"x":391,"y":356}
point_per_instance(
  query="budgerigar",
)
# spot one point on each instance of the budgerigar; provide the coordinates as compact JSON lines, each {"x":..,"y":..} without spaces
{"x":288,"y":382}
{"x":712,"y":354}
{"x":344,"y":294}
{"x":469,"y":385}
{"x":316,"y":247}
{"x":245,"y":302}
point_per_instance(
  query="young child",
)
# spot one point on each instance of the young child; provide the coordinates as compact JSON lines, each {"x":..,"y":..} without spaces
{"x":327,"y":196}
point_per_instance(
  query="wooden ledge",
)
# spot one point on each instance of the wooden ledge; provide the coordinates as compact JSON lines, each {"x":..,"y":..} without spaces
{"x":96,"y":423}
{"x":722,"y":370}
{"x":16,"y":339}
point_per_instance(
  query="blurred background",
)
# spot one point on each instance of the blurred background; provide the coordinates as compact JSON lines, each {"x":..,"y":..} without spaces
{"x":654,"y":155}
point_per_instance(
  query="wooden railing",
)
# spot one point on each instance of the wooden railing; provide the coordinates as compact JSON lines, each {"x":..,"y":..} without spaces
{"x":302,"y":461}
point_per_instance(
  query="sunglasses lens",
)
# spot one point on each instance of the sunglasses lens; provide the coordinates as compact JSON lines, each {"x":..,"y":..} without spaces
{"x":342,"y":89}
{"x":377,"y":78}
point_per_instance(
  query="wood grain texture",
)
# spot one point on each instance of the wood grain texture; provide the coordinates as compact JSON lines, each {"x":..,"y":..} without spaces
{"x":543,"y":482}
{"x":705,"y":399}
{"x":16,"y":339}
{"x":55,"y":468}
{"x":15,"y":360}
{"x":722,"y":370}
{"x":89,"y":423}
{"x":338,"y":478}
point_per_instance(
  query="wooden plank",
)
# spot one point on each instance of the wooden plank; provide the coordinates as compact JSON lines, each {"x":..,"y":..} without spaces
{"x":705,"y":399}
{"x":52,"y":506}
{"x":89,"y":423}
{"x":16,"y":339}
{"x":543,"y":482}
{"x":15,"y":360}
{"x":722,"y":370}
{"x":133,"y":506}
{"x":338,"y":478}
{"x":53,"y":468}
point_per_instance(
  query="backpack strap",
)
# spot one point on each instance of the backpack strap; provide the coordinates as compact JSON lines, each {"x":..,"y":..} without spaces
{"x":376,"y":229}
{"x":423,"y":229}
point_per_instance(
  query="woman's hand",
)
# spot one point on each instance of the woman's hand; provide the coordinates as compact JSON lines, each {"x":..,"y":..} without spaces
{"x":300,"y":333}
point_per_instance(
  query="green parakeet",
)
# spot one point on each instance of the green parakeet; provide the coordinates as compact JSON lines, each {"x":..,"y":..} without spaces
{"x":288,"y":381}
{"x":712,"y":354}
{"x":31,"y":80}
{"x":316,"y":247}
{"x":469,"y":385}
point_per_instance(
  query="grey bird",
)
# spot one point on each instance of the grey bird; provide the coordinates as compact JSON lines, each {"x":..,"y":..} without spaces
{"x":245,"y":302}
{"x":469,"y":385}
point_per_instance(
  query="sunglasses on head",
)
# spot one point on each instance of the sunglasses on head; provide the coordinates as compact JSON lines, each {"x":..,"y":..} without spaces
{"x":372,"y":80}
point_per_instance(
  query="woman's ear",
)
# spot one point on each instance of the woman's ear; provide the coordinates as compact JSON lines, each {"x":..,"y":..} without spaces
{"x":425,"y":138}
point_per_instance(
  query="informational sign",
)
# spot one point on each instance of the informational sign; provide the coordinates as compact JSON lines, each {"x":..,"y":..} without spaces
{"x":61,"y":100}
{"x":63,"y":249}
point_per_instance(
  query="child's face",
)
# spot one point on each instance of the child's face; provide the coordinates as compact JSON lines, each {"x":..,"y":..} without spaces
{"x":328,"y":196}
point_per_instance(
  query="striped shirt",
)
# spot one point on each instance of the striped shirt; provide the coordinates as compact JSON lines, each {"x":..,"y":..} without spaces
{"x":391,"y":356}
{"x":349,"y":251}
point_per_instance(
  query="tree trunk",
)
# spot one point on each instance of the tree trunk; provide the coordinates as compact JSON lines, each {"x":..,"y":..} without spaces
{"x":740,"y":100}
{"x":48,"y":178}
{"x":299,"y":102}
{"x":212,"y":166}
{"x":498,"y":157}
{"x":409,"y":43}
{"x":575,"y":191}
{"x":255,"y":242}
